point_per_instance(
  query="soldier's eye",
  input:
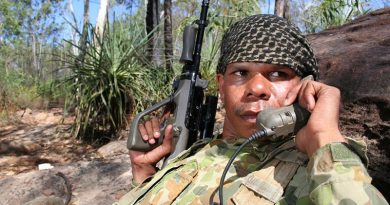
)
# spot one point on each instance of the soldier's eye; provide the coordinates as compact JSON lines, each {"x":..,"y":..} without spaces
{"x":278,"y":75}
{"x":240,"y":73}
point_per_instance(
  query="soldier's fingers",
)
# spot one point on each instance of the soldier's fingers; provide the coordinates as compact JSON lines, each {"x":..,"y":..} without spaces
{"x":165,"y":116}
{"x":143,"y":132}
{"x":159,"y":152}
{"x":156,"y":127}
{"x":166,"y":146}
{"x":307,"y":97}
{"x":300,"y":94}
{"x":149,"y":130}
{"x":292,"y":95}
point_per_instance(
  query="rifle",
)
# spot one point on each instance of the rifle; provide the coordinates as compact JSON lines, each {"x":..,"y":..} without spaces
{"x":193,"y":117}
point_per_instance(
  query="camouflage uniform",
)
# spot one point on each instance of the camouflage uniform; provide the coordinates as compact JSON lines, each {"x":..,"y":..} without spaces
{"x":263,"y":173}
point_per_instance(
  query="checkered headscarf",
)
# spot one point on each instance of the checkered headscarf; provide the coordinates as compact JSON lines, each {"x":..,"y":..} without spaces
{"x":267,"y":39}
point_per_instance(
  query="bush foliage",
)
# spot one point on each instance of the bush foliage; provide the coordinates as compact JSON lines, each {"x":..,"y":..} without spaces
{"x":112,"y":82}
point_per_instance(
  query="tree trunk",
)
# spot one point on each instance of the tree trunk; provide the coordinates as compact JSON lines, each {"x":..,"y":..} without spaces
{"x":286,"y":13}
{"x":39,"y":58}
{"x":84,"y":34}
{"x":81,"y":57}
{"x":74,"y":32}
{"x":34,"y":53}
{"x":282,"y":8}
{"x":152,"y":21}
{"x":168,"y":37}
{"x":278,"y":8}
{"x":101,"y":19}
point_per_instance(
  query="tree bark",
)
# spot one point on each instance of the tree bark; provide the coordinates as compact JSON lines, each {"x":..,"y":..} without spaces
{"x":84,"y":34}
{"x":74,"y":31}
{"x":282,"y":8}
{"x":168,"y":37}
{"x":152,"y":21}
{"x":101,"y":19}
{"x":278,"y":8}
{"x":286,"y":10}
{"x":81,"y":57}
{"x":34,"y":53}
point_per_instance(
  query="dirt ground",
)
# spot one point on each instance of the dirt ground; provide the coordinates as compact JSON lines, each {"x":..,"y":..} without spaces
{"x":37,"y":136}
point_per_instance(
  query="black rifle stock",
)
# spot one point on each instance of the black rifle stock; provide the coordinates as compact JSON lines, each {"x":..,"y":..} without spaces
{"x":190,"y":120}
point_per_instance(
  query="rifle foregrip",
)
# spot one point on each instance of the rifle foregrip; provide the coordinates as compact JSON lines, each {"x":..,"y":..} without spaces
{"x":135,"y":141}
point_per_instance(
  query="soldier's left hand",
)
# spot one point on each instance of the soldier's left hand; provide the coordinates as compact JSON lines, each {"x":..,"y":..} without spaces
{"x":322,"y":128}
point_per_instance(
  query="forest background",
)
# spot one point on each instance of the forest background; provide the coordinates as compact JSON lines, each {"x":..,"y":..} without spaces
{"x":103,"y":61}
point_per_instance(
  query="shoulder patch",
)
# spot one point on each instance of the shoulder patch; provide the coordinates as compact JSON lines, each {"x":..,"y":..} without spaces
{"x":341,"y":153}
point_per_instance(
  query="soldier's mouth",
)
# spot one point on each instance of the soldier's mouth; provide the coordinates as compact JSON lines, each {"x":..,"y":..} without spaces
{"x":249,"y":116}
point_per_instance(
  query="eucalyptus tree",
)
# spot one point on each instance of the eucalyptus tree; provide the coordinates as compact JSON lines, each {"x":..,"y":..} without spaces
{"x":84,"y":34}
{"x":282,"y":8}
{"x":28,"y":36}
{"x":152,"y":20}
{"x":32,"y":25}
{"x":317,"y":15}
{"x":101,"y":19}
{"x":168,"y":38}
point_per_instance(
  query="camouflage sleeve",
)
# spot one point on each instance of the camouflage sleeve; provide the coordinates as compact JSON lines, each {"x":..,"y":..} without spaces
{"x":133,"y":193}
{"x":338,"y":176}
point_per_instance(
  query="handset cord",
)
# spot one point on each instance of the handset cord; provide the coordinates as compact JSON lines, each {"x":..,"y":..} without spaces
{"x":255,"y":136}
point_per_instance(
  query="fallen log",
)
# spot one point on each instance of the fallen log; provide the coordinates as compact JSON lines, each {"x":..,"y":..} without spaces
{"x":356,"y":58}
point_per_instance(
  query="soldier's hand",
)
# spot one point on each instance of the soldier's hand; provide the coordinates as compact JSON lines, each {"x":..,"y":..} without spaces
{"x":322,"y":128}
{"x":150,"y":130}
{"x":144,"y":163}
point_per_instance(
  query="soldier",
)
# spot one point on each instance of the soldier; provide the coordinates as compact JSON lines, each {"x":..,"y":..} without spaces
{"x":263,"y":59}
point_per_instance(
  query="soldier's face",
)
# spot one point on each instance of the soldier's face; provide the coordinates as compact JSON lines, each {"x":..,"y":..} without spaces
{"x":248,"y":88}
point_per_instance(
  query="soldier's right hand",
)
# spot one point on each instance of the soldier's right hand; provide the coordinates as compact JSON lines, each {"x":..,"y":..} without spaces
{"x":150,"y":130}
{"x":144,"y":163}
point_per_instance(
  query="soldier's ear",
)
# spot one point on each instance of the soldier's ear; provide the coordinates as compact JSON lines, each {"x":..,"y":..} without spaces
{"x":220,"y":82}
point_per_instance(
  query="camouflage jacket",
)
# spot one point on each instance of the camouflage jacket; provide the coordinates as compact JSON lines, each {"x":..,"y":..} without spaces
{"x":267,"y":173}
